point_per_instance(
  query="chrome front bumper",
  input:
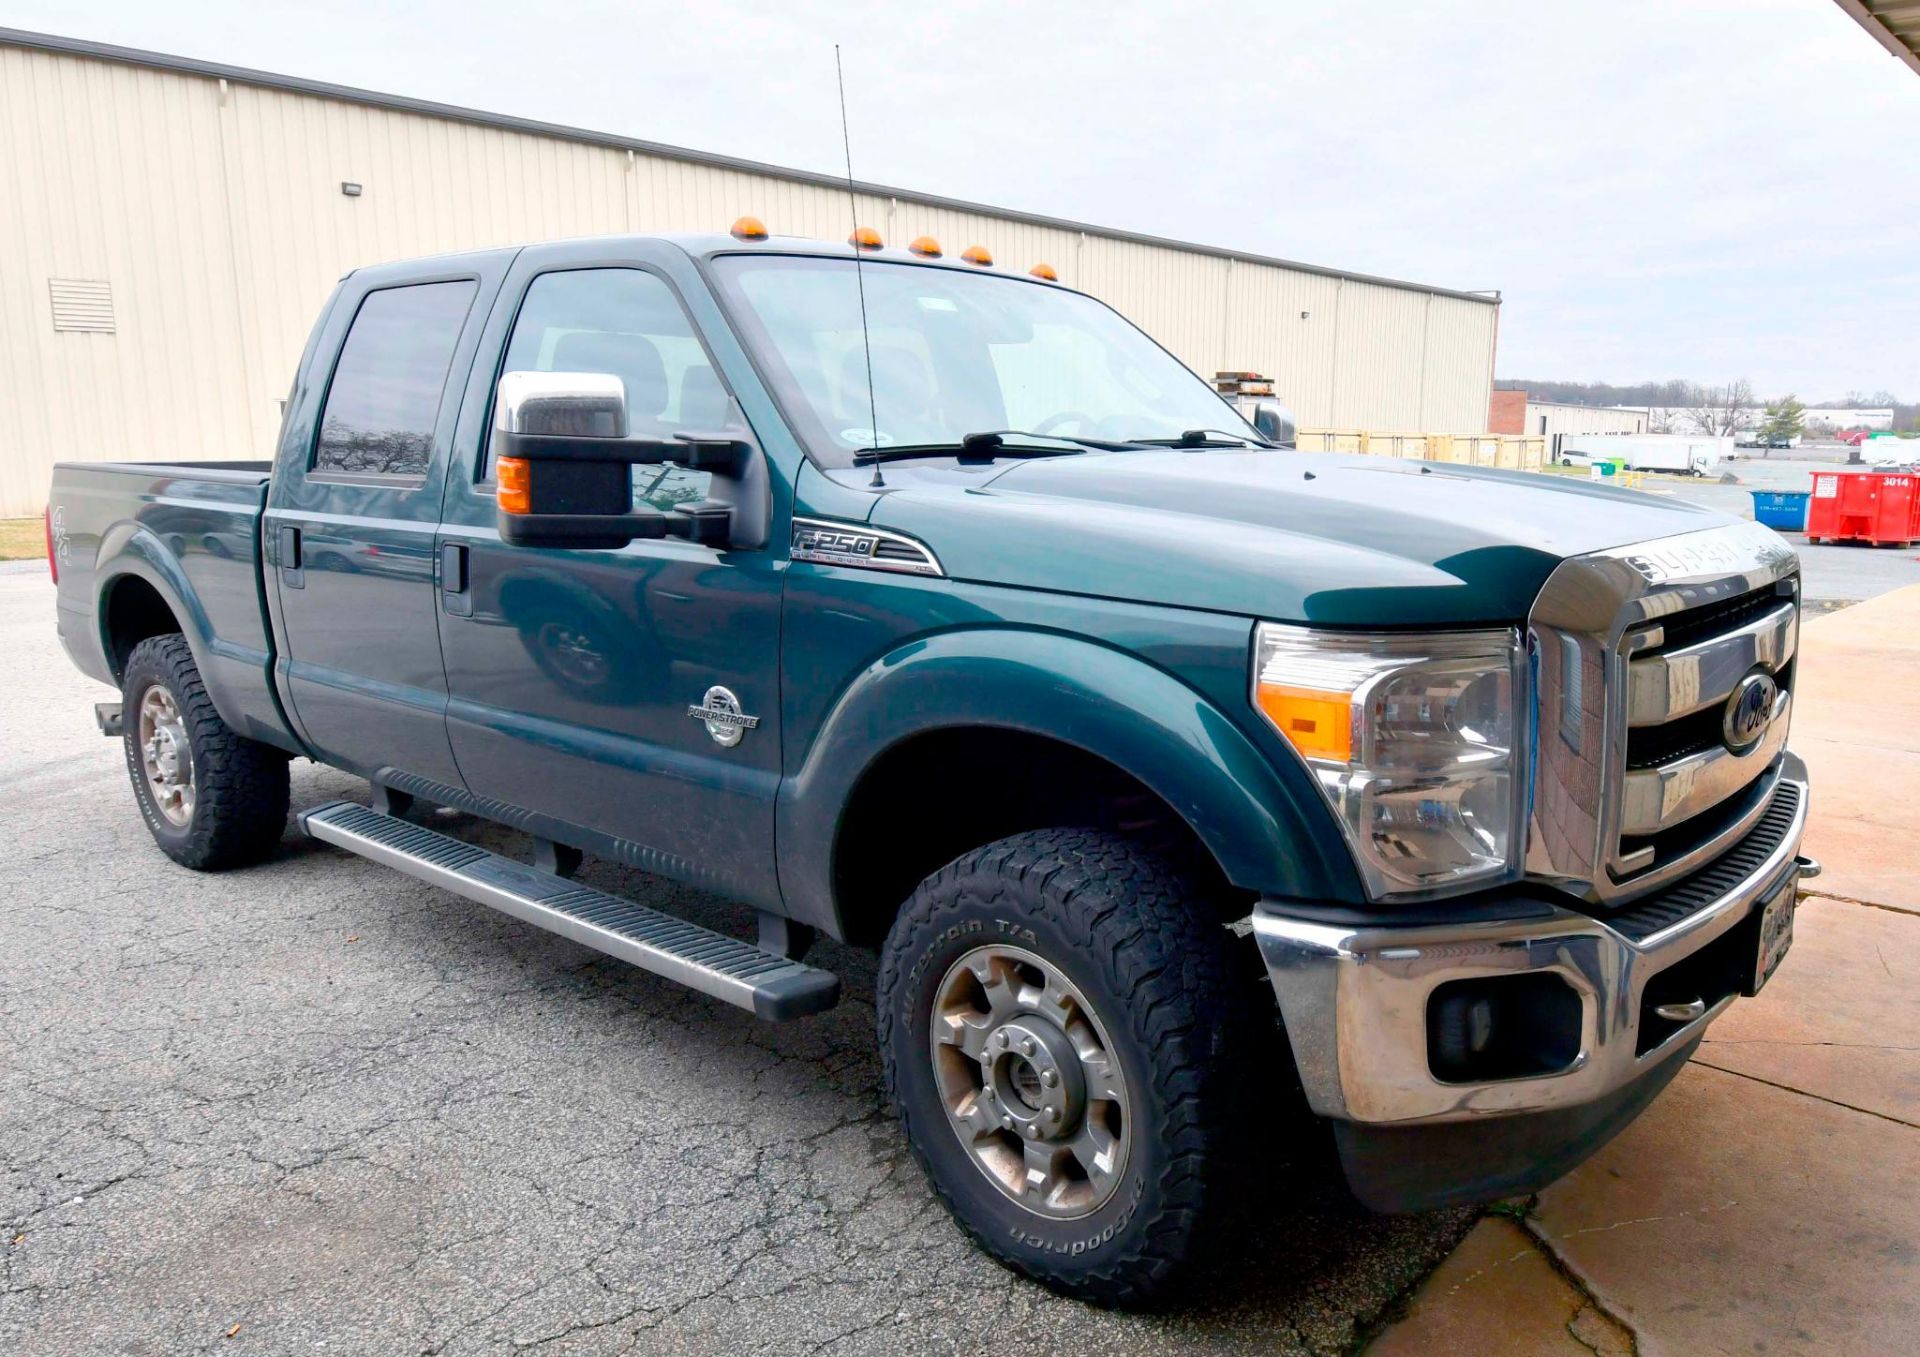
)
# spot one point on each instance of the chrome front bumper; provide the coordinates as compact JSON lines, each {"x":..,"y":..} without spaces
{"x":1354,"y":997}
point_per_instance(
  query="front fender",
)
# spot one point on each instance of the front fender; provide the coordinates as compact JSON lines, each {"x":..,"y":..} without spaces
{"x":1268,"y":835}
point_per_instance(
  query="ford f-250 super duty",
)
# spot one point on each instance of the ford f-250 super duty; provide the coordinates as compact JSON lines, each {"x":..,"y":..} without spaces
{"x":942,"y":611}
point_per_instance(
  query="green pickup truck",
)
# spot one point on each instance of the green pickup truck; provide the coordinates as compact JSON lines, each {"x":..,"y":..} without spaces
{"x":1176,"y":776}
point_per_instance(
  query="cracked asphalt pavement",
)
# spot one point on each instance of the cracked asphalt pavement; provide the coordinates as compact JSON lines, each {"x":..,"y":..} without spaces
{"x":320,"y":1107}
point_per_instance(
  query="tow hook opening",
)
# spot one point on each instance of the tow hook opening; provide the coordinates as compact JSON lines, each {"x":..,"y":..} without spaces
{"x":1502,"y":1027}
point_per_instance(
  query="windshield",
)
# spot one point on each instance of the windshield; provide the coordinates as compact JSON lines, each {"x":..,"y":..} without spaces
{"x":955,"y":354}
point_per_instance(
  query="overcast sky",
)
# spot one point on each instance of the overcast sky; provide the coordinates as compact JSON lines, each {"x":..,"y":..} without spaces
{"x":1705,"y":189}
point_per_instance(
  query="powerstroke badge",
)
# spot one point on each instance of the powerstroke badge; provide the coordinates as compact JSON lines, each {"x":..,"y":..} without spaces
{"x":725,"y":722}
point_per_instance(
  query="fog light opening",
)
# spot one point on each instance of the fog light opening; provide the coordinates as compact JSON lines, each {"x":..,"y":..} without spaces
{"x":1502,"y":1027}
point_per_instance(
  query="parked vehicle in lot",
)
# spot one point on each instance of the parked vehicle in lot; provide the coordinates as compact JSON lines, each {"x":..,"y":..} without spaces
{"x":1687,"y":455}
{"x":1013,"y":652}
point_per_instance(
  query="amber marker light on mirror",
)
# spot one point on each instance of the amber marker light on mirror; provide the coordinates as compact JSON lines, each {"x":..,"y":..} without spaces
{"x":864,"y":238}
{"x":749,"y":228}
{"x":926,"y":247}
{"x":977,"y":254}
{"x":513,"y":478}
{"x":1045,"y":271}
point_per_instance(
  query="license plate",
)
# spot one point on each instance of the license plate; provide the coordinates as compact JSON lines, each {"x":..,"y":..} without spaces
{"x":1776,"y":934}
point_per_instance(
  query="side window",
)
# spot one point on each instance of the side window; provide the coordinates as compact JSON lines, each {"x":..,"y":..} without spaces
{"x":385,"y":396}
{"x":628,"y":323}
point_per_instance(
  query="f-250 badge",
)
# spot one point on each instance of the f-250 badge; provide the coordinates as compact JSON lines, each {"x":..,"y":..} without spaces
{"x":720,"y":711}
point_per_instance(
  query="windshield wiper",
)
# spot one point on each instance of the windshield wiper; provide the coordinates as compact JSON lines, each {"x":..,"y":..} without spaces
{"x":990,"y":445}
{"x":1197,"y":438}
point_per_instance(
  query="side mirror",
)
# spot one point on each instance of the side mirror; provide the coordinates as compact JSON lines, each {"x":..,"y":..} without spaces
{"x":563,"y":465}
{"x":1274,"y":422}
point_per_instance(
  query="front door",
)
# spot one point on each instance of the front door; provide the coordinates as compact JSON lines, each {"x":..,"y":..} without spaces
{"x":572,"y":673}
{"x":351,"y":522}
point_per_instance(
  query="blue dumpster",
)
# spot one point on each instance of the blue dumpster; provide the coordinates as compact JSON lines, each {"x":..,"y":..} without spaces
{"x":1782,"y":509}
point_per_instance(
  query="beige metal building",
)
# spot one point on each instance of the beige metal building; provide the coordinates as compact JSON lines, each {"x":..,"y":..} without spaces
{"x":1549,"y":418}
{"x":171,"y":227}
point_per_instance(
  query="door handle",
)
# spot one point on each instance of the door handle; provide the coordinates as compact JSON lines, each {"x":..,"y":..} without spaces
{"x":292,"y":569}
{"x":455,"y":595}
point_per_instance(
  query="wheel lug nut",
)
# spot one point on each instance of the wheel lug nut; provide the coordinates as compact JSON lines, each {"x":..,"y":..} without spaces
{"x":1006,"y":1123}
{"x":1026,"y":1047}
{"x":1033,"y":1132}
{"x":987,"y":1092}
{"x":1053,"y":1114}
{"x":1049,"y":1078}
{"x":1003,"y":1039}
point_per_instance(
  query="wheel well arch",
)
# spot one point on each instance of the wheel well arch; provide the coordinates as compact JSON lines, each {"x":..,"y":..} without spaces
{"x":132,"y":610}
{"x":936,"y":794}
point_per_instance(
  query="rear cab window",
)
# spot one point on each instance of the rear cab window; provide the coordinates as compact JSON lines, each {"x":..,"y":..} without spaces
{"x":384,"y":399}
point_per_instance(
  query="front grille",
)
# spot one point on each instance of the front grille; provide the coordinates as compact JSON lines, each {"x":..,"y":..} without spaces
{"x":1695,"y":892}
{"x":1714,"y":619}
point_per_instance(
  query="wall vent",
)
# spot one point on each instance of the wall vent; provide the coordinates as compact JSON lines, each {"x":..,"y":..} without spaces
{"x":82,"y":305}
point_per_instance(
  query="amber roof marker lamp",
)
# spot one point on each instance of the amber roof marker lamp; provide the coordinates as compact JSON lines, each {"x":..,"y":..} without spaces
{"x":748,"y":228}
{"x":865,"y":238}
{"x":977,"y":256}
{"x":1045,"y":271}
{"x":925,"y":246}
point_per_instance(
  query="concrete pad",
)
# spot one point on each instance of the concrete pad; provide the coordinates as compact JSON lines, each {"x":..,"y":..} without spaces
{"x":1856,"y":721}
{"x":1841,"y":1017}
{"x":1738,"y":1218}
{"x":1498,"y":1295}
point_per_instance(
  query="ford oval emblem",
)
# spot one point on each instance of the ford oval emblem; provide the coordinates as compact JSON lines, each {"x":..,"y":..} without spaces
{"x":1749,"y":712}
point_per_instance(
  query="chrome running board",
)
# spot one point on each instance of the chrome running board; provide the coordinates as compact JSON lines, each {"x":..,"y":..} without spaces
{"x":733,"y":971}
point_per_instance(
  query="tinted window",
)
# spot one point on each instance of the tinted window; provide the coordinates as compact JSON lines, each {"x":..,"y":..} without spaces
{"x":386,"y":390}
{"x":628,"y":323}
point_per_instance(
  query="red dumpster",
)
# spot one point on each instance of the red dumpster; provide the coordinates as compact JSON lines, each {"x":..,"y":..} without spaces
{"x":1864,"y":506}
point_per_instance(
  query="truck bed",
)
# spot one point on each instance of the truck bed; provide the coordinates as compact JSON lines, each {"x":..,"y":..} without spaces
{"x":188,"y":532}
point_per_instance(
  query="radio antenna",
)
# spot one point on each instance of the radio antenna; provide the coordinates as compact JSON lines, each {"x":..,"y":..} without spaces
{"x":853,"y":211}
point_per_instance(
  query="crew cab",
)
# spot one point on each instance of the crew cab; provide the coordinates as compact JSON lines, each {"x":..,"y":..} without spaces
{"x":936,"y":608}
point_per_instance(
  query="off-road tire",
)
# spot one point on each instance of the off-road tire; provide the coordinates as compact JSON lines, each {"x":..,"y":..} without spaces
{"x":240,"y":785}
{"x":1128,"y":930}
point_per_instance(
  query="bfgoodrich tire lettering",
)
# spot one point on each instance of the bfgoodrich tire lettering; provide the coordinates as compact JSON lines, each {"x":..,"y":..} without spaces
{"x":239,"y":786}
{"x":1124,"y":930}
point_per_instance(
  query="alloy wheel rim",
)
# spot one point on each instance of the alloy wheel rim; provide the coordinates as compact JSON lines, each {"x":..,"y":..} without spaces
{"x":166,"y":756}
{"x":1029,"y":1081}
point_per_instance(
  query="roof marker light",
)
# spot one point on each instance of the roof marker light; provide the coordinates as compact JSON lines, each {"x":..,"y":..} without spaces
{"x":865,"y":238}
{"x":926,"y":247}
{"x":977,"y":254}
{"x":749,"y":228}
{"x":1045,"y":271}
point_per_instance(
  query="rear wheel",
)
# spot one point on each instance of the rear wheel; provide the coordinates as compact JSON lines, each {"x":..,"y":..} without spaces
{"x":1060,"y":1037}
{"x":211,"y":799}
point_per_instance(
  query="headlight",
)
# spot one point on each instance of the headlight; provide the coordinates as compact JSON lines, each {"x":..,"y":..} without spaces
{"x":1416,"y":741}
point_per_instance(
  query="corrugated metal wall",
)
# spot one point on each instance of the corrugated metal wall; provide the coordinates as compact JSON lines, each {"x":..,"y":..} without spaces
{"x":213,"y":210}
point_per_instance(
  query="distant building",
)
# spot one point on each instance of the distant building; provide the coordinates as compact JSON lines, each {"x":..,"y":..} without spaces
{"x":1837,"y":419}
{"x":1513,"y":412}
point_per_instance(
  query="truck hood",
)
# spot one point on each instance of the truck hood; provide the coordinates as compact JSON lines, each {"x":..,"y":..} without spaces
{"x":1307,"y":537}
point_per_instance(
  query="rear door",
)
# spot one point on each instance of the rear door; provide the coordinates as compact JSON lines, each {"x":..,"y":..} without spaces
{"x":353,"y":513}
{"x":572,"y":672}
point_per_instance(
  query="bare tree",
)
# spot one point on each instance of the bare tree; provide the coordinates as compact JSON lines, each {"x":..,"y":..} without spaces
{"x":1720,"y":410}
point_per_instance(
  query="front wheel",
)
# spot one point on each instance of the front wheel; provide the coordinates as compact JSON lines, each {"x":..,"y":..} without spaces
{"x":212,"y":799}
{"x":1059,"y":1032}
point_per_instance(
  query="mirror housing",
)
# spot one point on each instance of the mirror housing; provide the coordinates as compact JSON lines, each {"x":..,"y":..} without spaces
{"x":563,"y":465}
{"x":1274,"y":422}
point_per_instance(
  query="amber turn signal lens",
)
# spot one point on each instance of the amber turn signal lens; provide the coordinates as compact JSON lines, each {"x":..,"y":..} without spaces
{"x":977,"y":254}
{"x":864,"y":238}
{"x":513,"y":477}
{"x":749,"y":228}
{"x":1318,"y":724}
{"x":1044,"y":271}
{"x":926,"y":247}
